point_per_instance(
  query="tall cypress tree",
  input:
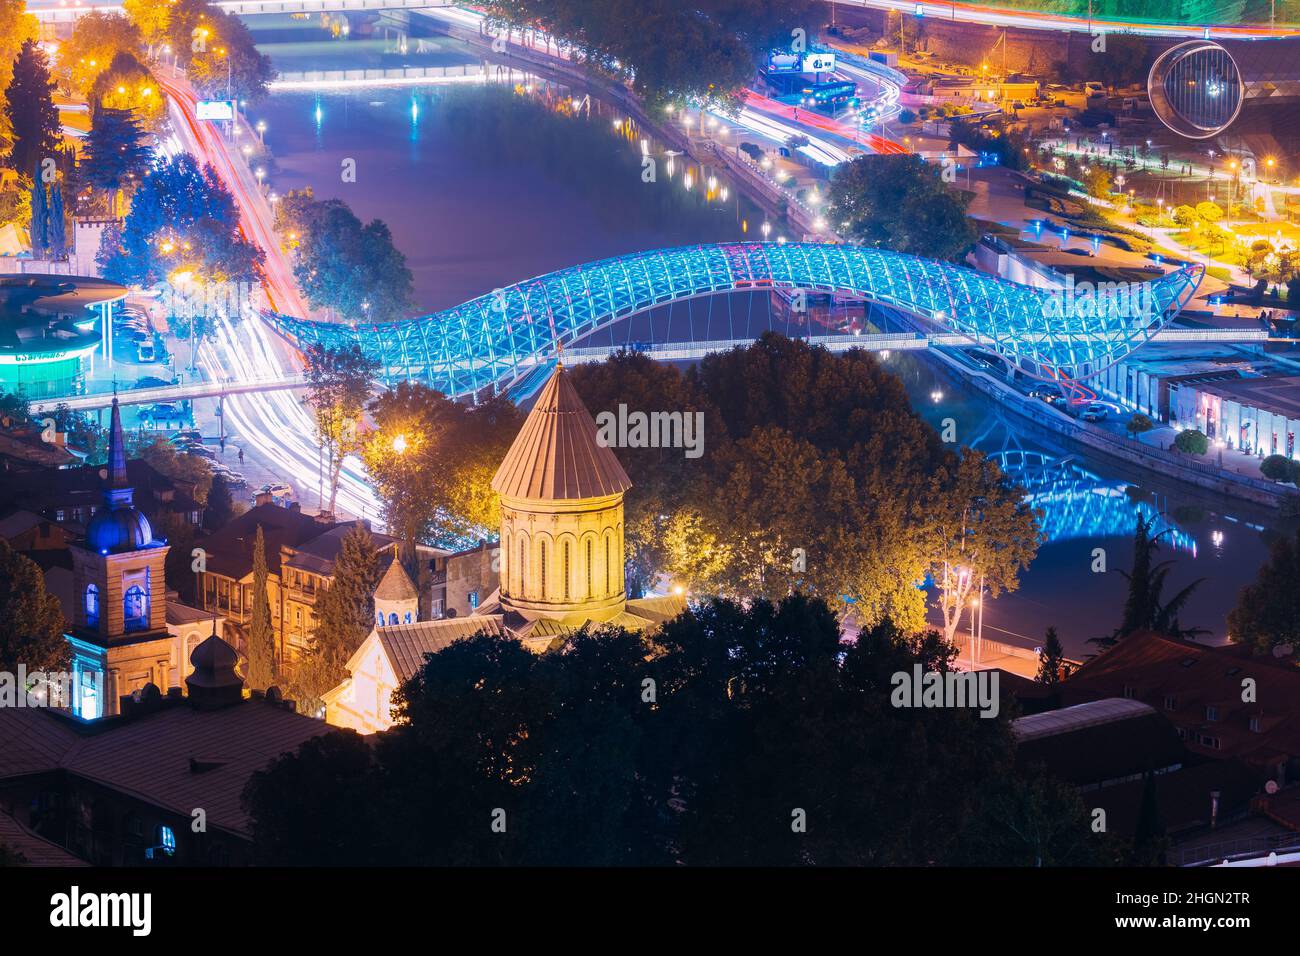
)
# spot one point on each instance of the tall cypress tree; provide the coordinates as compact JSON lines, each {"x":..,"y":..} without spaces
{"x":1049,"y":664}
{"x":58,"y":231}
{"x":29,"y":104}
{"x":261,"y":634}
{"x":40,"y":225}
{"x":344,"y":615}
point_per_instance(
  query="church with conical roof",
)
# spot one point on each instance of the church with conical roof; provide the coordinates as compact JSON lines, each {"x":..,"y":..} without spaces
{"x":562,"y":560}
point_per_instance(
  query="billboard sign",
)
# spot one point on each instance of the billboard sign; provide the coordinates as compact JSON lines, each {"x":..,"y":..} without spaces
{"x":782,"y":61}
{"x":216,"y":109}
{"x":819,"y":63}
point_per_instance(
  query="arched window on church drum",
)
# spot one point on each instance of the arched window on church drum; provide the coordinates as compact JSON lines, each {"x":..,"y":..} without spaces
{"x":566,"y":570}
{"x":92,"y":605}
{"x":521,"y":571}
{"x":541,"y":567}
{"x":608,"y":592}
{"x":587,"y":568}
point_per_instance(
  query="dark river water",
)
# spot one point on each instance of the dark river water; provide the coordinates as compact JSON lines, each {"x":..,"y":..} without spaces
{"x":476,"y":203}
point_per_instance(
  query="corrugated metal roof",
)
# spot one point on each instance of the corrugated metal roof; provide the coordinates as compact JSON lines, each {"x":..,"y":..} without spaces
{"x":556,"y":455}
{"x":406,"y":644}
{"x":1079,"y":716}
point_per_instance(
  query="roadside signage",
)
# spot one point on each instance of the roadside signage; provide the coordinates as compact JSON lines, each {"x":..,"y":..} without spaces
{"x":216,"y":109}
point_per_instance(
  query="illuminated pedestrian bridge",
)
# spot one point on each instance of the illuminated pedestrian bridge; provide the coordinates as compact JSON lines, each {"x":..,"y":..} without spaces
{"x":493,"y":341}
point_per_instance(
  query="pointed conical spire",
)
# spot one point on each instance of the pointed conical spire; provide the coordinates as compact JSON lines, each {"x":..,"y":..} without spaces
{"x":556,"y":455}
{"x":116,"y":450}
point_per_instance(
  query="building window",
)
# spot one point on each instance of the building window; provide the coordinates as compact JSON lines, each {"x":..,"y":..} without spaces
{"x":473,"y":600}
{"x":1171,"y":702}
{"x":1128,"y":691}
{"x":92,"y":605}
{"x":407,"y":618}
{"x":435,"y":608}
{"x":607,"y":588}
{"x":523,"y":560}
{"x":135,"y":609}
{"x":566,"y":570}
{"x":164,"y":843}
{"x":392,"y":618}
{"x":541,"y":568}
{"x":1211,"y":713}
{"x":588,"y":567}
{"x":1255,"y":724}
{"x":379,"y":619}
{"x":58,"y":515}
{"x":1211,"y":742}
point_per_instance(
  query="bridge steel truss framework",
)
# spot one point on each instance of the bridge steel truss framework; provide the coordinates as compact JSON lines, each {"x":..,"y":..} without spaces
{"x":492,"y":341}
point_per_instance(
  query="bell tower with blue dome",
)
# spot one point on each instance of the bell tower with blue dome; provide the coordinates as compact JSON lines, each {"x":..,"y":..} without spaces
{"x":119,"y":587}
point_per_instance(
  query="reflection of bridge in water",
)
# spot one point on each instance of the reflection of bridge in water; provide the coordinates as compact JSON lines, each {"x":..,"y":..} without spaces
{"x":1078,"y":504}
{"x":1075,"y":502}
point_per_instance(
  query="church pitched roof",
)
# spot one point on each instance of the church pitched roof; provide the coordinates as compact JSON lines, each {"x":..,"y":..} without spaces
{"x":556,"y":455}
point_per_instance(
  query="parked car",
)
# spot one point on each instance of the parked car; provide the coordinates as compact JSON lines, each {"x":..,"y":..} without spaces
{"x":163,"y":412}
{"x":199,"y":451}
{"x":1096,"y":412}
{"x":144,"y":352}
{"x":151,"y":381}
{"x":187,"y":436}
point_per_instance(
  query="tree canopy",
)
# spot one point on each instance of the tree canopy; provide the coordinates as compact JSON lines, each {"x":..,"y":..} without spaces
{"x":706,"y":50}
{"x":31,"y":620}
{"x":900,"y":203}
{"x":1267,"y":614}
{"x":29,"y":107}
{"x":736,"y":735}
{"x":816,"y":475}
{"x":341,"y":263}
{"x":183,"y":222}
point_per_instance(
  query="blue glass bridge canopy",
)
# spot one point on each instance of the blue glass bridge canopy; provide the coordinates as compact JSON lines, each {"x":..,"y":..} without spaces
{"x":490,"y":342}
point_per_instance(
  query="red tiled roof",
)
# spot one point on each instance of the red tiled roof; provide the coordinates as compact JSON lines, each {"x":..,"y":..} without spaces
{"x":36,"y":850}
{"x":1182,"y":680}
{"x":150,"y":756}
{"x":407,"y":644}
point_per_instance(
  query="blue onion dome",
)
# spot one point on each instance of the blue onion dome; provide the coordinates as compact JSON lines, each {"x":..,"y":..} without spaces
{"x":118,"y":526}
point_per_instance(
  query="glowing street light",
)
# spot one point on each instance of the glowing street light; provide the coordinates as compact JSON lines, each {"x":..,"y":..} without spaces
{"x":399,"y":444}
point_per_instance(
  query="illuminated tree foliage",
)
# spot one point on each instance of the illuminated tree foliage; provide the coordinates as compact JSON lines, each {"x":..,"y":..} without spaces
{"x":182,"y":220}
{"x":760,"y":715}
{"x":97,"y":40}
{"x":900,"y":203}
{"x":432,"y":461}
{"x":217,"y":51}
{"x":129,"y":85}
{"x":341,"y":263}
{"x":17,"y":26}
{"x":31,"y":620}
{"x":339,"y":382}
{"x":816,"y":476}
{"x":668,"y":50}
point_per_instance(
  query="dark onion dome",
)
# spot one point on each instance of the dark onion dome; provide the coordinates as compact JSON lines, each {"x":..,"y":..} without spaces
{"x":118,"y":526}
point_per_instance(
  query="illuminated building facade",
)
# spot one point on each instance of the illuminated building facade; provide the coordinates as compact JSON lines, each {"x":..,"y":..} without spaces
{"x":562,"y":561}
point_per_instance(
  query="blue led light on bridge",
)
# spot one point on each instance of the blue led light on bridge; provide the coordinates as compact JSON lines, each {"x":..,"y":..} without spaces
{"x":493,"y":341}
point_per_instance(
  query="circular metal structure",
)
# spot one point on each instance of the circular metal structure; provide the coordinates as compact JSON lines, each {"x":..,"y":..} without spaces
{"x":1196,"y":89}
{"x":495,"y":340}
